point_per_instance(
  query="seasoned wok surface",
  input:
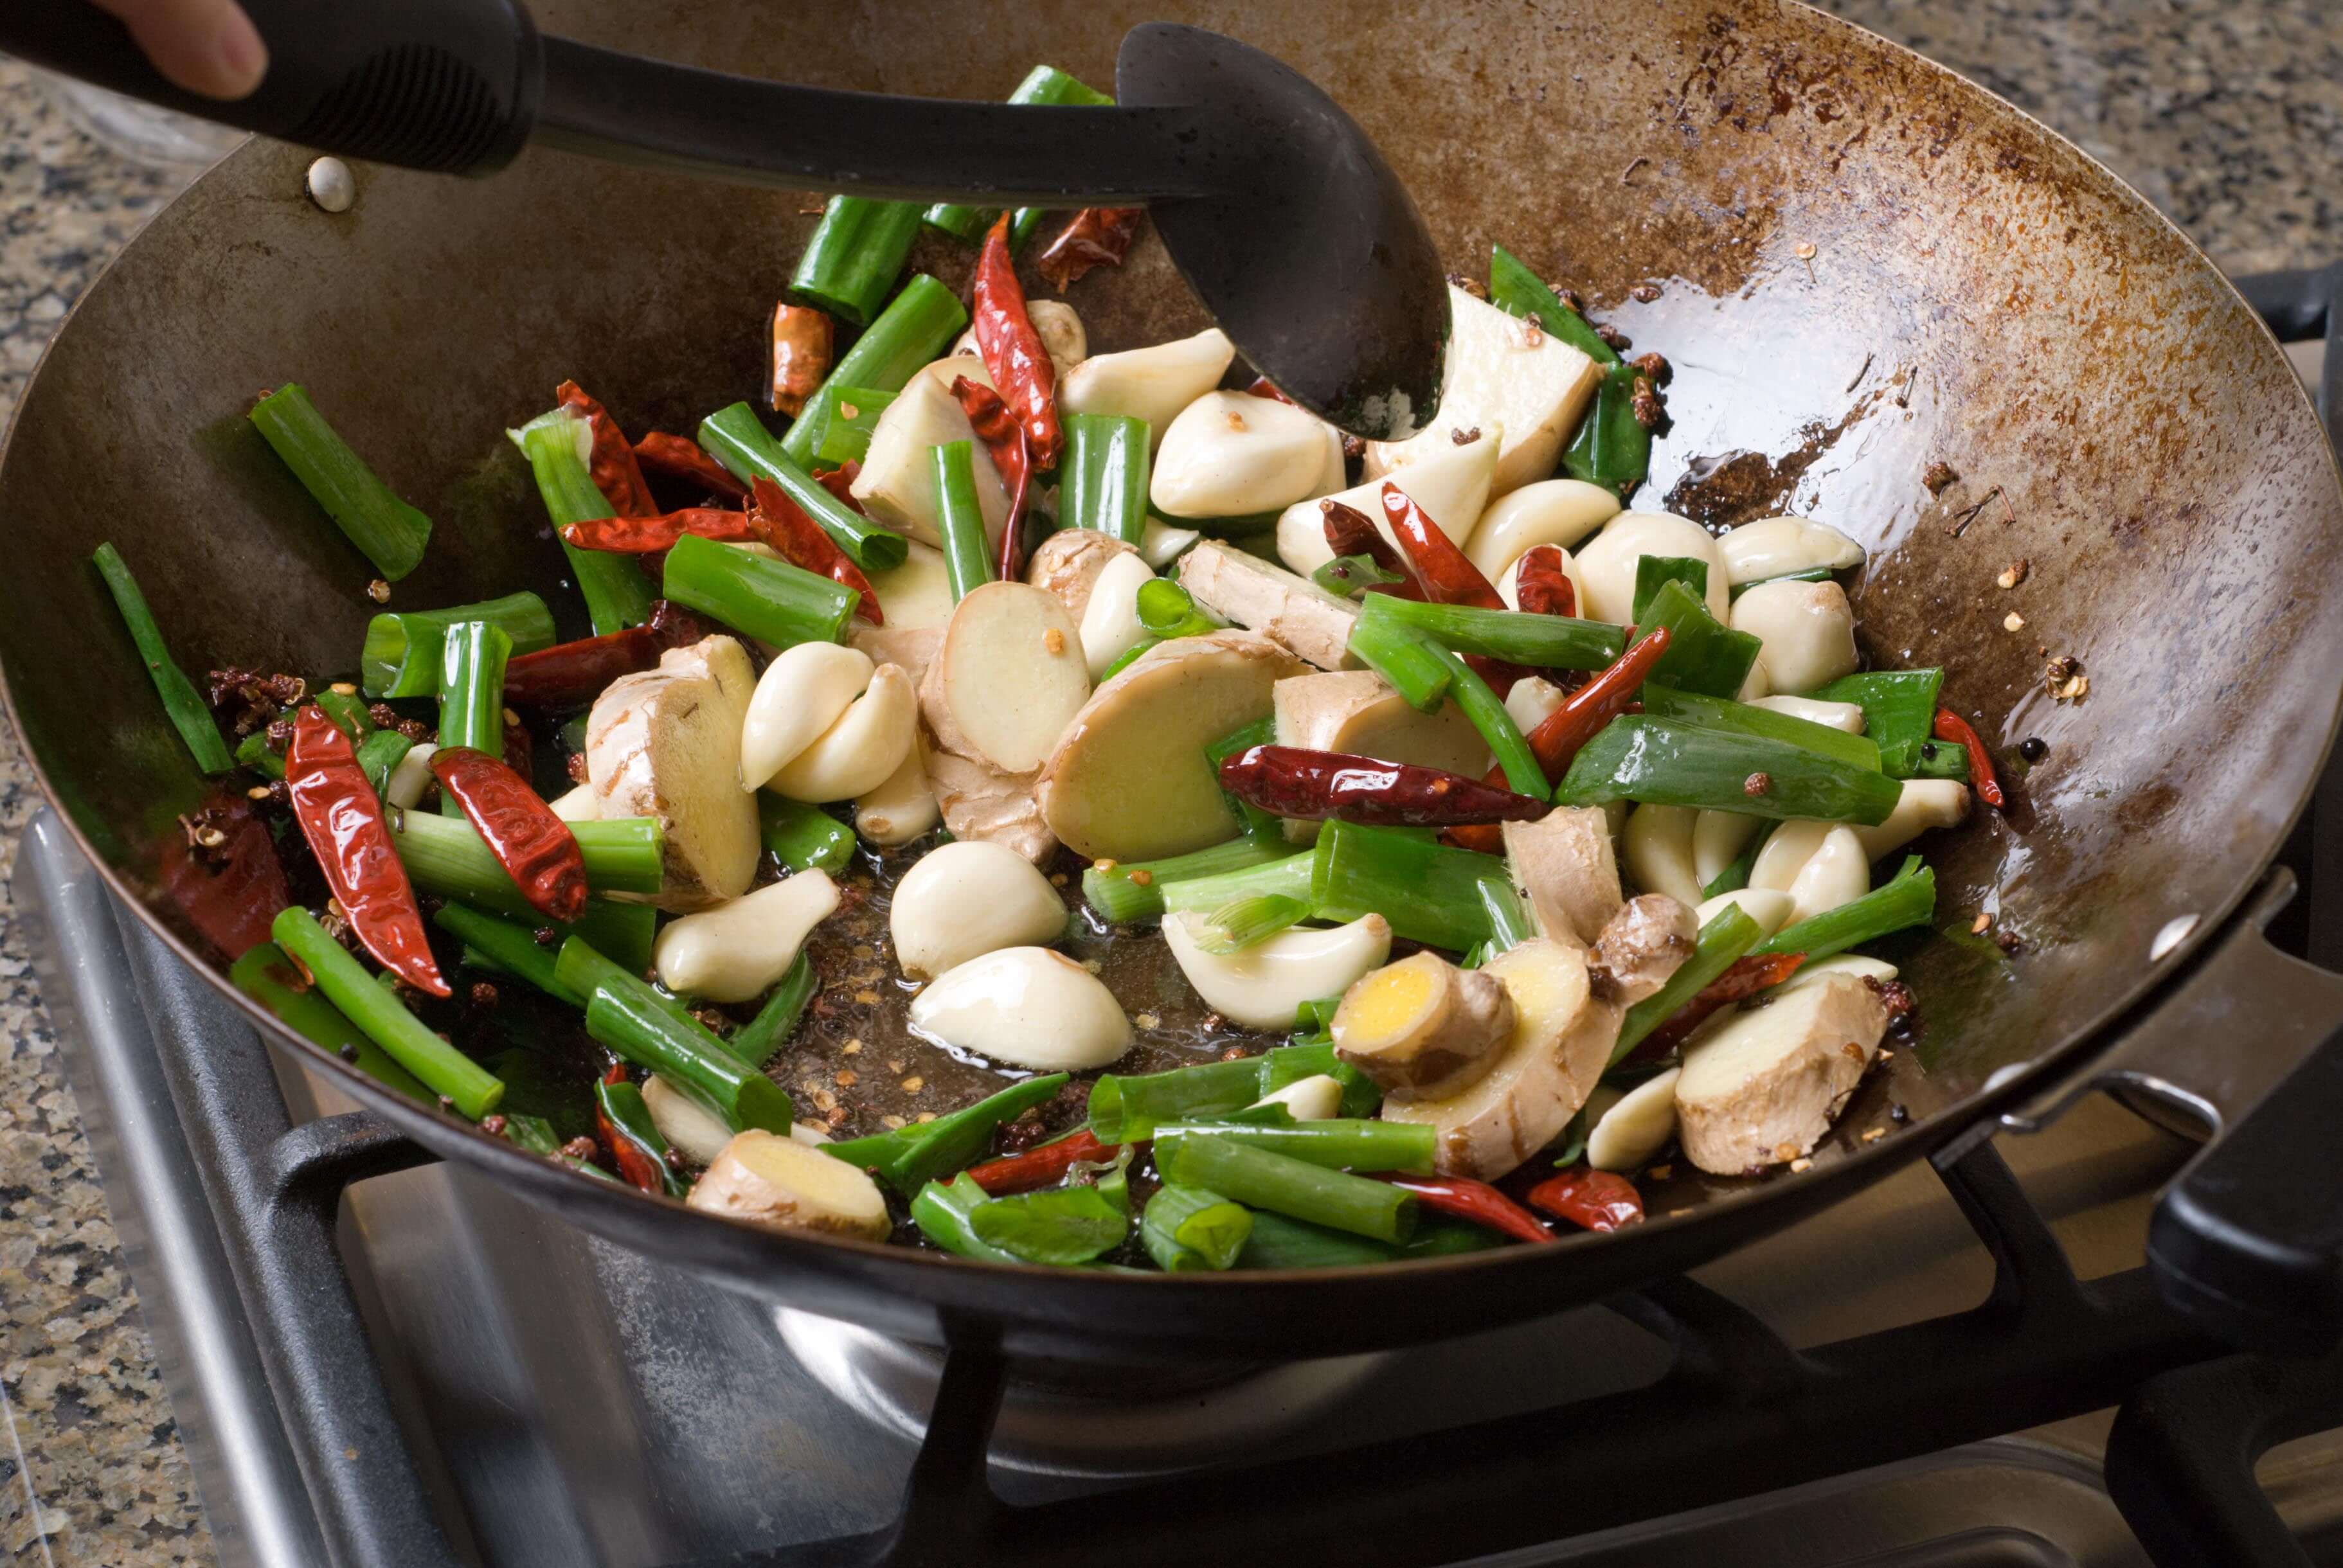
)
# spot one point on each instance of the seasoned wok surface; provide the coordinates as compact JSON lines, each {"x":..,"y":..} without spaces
{"x":1861,"y":267}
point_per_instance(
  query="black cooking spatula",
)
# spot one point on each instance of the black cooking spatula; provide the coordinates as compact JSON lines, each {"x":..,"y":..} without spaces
{"x":1297,"y":235}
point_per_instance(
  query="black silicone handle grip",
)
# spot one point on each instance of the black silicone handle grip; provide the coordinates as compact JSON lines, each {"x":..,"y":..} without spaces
{"x":2249,"y":1240}
{"x":450,"y":85}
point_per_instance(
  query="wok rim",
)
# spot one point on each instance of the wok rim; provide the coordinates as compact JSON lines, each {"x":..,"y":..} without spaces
{"x":1710,"y":1227}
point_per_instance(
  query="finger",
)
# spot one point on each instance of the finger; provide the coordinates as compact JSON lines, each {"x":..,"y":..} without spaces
{"x":207,"y":47}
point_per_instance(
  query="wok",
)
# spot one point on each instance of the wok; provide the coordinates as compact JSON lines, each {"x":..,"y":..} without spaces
{"x":1864,"y":265}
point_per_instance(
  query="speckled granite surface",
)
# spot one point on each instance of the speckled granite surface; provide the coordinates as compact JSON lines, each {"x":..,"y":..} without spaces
{"x":2227,"y":112}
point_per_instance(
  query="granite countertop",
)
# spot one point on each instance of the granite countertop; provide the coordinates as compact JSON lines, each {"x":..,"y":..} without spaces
{"x":2225,"y":112}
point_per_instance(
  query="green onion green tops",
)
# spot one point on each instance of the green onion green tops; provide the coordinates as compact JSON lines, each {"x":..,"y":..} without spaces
{"x":559,"y":445}
{"x":769,"y":600}
{"x":1667,"y":762}
{"x":387,"y":530}
{"x":856,"y":252}
{"x":913,"y":329}
{"x":737,"y":438}
{"x":188,"y":713}
{"x":402,"y":656}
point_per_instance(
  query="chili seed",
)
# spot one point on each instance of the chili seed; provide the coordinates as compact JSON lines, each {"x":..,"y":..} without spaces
{"x":378,"y":591}
{"x":1645,"y":293}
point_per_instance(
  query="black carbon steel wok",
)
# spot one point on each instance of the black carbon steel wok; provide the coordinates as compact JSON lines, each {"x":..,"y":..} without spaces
{"x":1866,"y":265}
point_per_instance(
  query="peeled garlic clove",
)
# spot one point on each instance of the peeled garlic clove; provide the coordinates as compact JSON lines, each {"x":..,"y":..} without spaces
{"x":1161,"y":544}
{"x":1063,"y":337}
{"x":1532,"y":702}
{"x":1266,"y":984}
{"x":1029,"y":1006}
{"x":1820,"y":865}
{"x":1549,"y":512}
{"x":1111,"y":624}
{"x":902,"y":809}
{"x":1717,"y":839}
{"x":578,"y":805}
{"x":1771,"y":909}
{"x":1230,"y":454}
{"x":1785,"y":854}
{"x":737,"y":951}
{"x":1808,"y":631}
{"x":1659,"y":852}
{"x":862,"y":749}
{"x":1313,"y":1098}
{"x":1845,"y":716}
{"x":970,"y":898}
{"x":1606,"y":564}
{"x":1450,"y":483}
{"x":1774,"y":547}
{"x":801,"y":693}
{"x":1925,"y":804}
{"x":1632,"y":1133}
{"x":1853,"y":964}
{"x":412,"y":776}
{"x":1154,"y":384}
{"x":699,"y":1132}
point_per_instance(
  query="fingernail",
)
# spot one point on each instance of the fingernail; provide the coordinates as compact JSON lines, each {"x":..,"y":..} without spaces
{"x":243,"y":57}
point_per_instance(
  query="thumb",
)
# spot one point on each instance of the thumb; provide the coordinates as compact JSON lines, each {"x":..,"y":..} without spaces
{"x":207,"y":47}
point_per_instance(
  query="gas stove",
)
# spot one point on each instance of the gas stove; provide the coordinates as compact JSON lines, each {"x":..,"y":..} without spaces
{"x":374,"y":1360}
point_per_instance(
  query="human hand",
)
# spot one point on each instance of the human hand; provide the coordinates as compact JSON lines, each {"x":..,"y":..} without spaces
{"x":207,"y":47}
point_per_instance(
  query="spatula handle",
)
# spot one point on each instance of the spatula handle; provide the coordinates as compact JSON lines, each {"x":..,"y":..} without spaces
{"x":450,"y":85}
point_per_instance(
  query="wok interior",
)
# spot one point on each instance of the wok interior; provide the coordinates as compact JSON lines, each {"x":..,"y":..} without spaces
{"x":1865,"y":266}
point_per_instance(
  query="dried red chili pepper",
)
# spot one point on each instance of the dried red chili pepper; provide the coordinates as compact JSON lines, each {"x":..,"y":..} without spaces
{"x":1351,"y":532}
{"x":1742,"y":980}
{"x":1595,"y":1200}
{"x":519,"y":750}
{"x":219,"y":866}
{"x":684,"y":460}
{"x":341,"y":817}
{"x":801,"y":348}
{"x":648,"y":535}
{"x":1313,"y":786}
{"x":1448,"y":576}
{"x":634,"y":1162}
{"x":783,"y":524}
{"x":1541,"y":586}
{"x":1263,"y":387}
{"x":1098,"y":236}
{"x":1012,"y":351}
{"x":615,"y":473}
{"x":1475,"y":1200}
{"x":1951,"y":726}
{"x":839,"y":482}
{"x":536,"y":848}
{"x":1581,"y":715}
{"x":571,"y":674}
{"x":1004,"y":442}
{"x":1037,"y":1167}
